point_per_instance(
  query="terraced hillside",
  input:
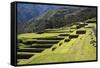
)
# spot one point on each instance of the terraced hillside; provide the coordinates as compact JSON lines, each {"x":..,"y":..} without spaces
{"x":74,"y":43}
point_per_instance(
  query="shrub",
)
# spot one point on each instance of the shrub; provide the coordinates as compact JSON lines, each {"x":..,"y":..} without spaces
{"x":60,"y":44}
{"x":54,"y":48}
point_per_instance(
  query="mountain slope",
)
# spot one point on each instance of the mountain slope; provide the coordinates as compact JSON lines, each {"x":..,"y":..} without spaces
{"x":58,"y":18}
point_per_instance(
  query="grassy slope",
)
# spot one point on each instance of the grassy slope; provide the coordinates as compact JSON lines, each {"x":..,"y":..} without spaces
{"x":78,"y":49}
{"x":34,"y":35}
{"x":75,"y":50}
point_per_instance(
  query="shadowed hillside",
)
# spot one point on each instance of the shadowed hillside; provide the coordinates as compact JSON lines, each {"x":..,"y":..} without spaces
{"x":57,"y":18}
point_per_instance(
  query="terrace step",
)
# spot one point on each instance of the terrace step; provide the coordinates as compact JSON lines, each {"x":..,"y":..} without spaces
{"x":80,"y":31}
{"x":33,"y":50}
{"x":91,"y":22}
{"x":73,"y":36}
{"x":81,"y":25}
{"x":64,"y":34}
{"x":89,"y":26}
{"x":56,"y":31}
{"x":50,"y":38}
{"x":41,"y":42}
{"x":41,"y":46}
{"x":46,"y":41}
{"x":66,"y":40}
{"x":24,"y":55}
{"x":59,"y":31}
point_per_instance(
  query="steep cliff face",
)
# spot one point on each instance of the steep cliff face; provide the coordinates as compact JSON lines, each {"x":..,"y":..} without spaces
{"x":58,"y":18}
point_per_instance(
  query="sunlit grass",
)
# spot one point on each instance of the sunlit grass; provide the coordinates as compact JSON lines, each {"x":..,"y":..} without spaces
{"x":77,"y":49}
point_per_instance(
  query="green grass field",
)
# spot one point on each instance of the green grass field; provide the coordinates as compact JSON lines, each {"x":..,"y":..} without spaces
{"x":58,"y":45}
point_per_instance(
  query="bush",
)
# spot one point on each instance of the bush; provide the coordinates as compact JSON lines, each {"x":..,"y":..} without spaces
{"x":60,"y":44}
{"x":54,"y":48}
